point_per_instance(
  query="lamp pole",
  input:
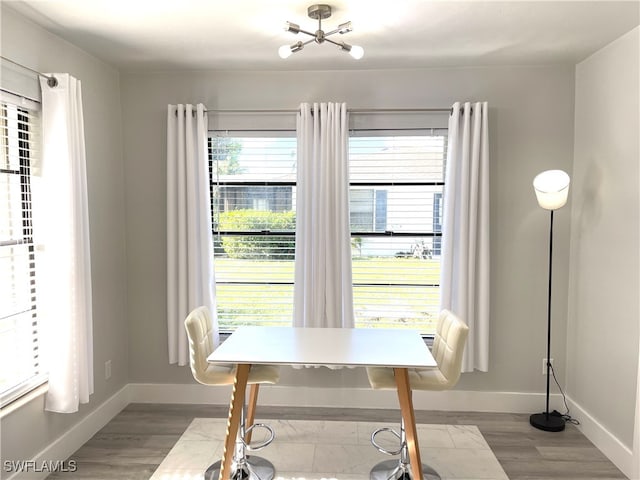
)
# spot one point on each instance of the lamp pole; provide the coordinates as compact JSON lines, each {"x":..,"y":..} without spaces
{"x":546,"y":421}
{"x":552,"y":190}
{"x":549,"y":309}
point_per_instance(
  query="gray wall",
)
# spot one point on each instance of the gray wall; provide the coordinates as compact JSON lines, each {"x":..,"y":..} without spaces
{"x":28,"y":430}
{"x":604,"y":312}
{"x":531,"y":130}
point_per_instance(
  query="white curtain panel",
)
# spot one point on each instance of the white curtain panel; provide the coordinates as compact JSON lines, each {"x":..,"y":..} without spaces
{"x":464,"y":276}
{"x":63,"y":259}
{"x":323,"y":295}
{"x":190,"y":271}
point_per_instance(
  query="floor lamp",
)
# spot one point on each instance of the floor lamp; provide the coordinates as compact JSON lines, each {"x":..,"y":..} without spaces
{"x":552,"y":190}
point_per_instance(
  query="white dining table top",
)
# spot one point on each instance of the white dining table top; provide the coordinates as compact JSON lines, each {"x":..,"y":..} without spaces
{"x":354,"y":347}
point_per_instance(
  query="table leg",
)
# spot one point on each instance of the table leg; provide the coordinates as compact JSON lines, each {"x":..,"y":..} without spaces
{"x":406,"y":409}
{"x":233,"y":422}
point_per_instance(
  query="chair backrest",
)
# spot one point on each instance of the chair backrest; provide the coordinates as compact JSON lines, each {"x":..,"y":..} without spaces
{"x":448,"y":346}
{"x":200,"y":332}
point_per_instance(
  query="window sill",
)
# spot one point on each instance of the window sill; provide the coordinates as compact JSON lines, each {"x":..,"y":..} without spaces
{"x":24,"y":399}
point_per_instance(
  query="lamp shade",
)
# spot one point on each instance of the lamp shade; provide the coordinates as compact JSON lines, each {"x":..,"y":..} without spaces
{"x":552,"y":189}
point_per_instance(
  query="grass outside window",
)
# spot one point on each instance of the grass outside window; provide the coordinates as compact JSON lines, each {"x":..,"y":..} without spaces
{"x":381,"y":300}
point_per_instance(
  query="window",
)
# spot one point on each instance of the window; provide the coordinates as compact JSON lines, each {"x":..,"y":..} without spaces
{"x":253,"y":206}
{"x":20,"y":368}
{"x":396,"y":190}
{"x":395,"y":207}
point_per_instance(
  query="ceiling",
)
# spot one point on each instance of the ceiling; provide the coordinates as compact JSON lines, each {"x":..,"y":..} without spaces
{"x":139,"y":35}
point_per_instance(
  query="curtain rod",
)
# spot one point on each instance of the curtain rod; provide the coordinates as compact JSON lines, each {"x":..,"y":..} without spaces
{"x":266,"y":130}
{"x":350,"y":110}
{"x":51,"y":80}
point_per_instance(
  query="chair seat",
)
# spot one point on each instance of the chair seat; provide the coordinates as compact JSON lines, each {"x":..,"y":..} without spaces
{"x":225,"y":375}
{"x":382,"y":378}
{"x":263,"y":374}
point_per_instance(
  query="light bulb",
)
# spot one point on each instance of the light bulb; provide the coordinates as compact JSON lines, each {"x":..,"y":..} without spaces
{"x":285,"y":51}
{"x":356,"y":52}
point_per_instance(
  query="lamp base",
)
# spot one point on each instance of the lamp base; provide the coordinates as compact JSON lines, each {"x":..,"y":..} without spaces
{"x":547,"y":422}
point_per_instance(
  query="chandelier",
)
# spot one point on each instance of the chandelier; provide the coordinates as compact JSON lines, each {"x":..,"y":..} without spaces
{"x":320,"y":12}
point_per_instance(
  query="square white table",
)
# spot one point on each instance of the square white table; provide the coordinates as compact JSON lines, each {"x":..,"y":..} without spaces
{"x":354,"y":347}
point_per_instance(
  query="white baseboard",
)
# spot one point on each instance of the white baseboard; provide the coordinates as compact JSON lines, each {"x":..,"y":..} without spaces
{"x":65,"y":445}
{"x":279,"y":395}
{"x":620,"y":454}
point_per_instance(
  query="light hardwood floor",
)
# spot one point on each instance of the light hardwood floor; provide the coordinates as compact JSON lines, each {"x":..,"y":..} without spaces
{"x":133,"y":444}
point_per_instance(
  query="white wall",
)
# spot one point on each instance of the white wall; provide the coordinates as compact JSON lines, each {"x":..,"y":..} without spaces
{"x":531,"y":129}
{"x":28,"y":430}
{"x":604,"y":313}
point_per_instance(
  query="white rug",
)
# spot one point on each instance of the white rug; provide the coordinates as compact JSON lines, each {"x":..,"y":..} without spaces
{"x":329,"y":450}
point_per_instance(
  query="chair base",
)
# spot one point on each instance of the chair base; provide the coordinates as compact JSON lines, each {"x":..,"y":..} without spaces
{"x":396,"y":470}
{"x":254,"y":468}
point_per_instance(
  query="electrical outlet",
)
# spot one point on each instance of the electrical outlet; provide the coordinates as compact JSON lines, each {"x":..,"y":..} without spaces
{"x":544,"y":365}
{"x":107,"y":370}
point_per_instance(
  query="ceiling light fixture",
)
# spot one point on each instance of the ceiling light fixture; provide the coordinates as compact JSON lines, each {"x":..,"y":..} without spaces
{"x":320,"y":12}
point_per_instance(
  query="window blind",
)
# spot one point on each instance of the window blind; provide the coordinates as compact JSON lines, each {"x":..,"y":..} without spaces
{"x":20,"y":365}
{"x":253,"y":207}
{"x":396,"y":185}
{"x":397,"y":180}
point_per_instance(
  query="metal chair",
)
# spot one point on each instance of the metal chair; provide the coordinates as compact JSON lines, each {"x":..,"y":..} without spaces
{"x":244,"y":467}
{"x":448,"y":347}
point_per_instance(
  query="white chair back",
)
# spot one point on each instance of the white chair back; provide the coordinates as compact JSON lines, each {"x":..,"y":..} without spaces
{"x":448,"y":346}
{"x":200,"y":332}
